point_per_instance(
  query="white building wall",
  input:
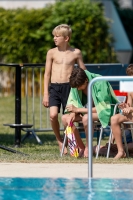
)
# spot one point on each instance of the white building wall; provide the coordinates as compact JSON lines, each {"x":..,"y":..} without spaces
{"x":13,"y":4}
{"x":126,"y":3}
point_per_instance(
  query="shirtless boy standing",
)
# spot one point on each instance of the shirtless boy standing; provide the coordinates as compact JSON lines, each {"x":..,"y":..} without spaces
{"x":59,"y":65}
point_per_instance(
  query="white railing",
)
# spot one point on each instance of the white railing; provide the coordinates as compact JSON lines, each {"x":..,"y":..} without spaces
{"x":107,"y":78}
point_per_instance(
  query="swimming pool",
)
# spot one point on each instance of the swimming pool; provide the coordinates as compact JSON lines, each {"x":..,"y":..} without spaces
{"x":67,"y":189}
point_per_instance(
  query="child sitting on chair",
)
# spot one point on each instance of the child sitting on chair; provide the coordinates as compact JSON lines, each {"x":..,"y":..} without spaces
{"x":125,"y":116}
{"x":102,"y":95}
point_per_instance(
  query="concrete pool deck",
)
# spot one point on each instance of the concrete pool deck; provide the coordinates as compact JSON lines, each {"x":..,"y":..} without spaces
{"x":65,"y":170}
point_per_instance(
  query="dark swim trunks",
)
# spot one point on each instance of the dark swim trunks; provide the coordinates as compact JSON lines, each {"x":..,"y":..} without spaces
{"x":59,"y":93}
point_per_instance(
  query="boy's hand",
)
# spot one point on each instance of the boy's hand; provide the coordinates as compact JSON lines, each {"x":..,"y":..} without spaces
{"x":45,"y":101}
{"x":123,"y":105}
{"x":71,"y":108}
{"x":126,"y":111}
{"x":71,"y":118}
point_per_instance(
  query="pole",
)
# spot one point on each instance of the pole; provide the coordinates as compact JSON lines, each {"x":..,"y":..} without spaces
{"x":18,"y":105}
{"x":90,"y":128}
{"x":100,"y":78}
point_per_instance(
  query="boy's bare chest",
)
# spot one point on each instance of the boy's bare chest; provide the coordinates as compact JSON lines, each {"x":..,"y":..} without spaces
{"x":64,"y":58}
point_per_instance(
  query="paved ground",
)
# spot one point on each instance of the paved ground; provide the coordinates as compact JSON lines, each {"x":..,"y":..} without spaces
{"x":65,"y":170}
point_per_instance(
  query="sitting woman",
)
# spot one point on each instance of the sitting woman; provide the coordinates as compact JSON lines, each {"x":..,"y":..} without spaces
{"x":102,"y":95}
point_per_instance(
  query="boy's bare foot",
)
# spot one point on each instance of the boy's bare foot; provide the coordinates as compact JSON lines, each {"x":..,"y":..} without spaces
{"x":86,"y":152}
{"x":120,"y":154}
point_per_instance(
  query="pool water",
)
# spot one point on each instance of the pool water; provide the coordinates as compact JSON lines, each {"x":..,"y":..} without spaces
{"x":67,"y":189}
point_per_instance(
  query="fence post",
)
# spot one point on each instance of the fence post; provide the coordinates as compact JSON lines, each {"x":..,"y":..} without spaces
{"x":18,"y":105}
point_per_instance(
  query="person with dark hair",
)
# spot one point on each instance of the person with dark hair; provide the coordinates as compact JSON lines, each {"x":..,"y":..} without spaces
{"x":103,"y":96}
{"x":129,"y":70}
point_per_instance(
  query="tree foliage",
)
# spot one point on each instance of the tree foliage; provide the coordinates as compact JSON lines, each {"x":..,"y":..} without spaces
{"x":26,"y":35}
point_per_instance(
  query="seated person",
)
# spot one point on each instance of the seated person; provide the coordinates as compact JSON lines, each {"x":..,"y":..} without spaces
{"x":102,"y":95}
{"x":125,"y":116}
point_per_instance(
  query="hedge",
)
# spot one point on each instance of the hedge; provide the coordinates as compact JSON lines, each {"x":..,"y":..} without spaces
{"x":26,"y":35}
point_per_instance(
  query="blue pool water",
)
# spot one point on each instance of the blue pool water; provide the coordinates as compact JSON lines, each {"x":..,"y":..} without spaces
{"x":67,"y":189}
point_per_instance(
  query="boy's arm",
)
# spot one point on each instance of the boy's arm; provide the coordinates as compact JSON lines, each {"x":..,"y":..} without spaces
{"x":80,"y":60}
{"x":128,"y":109}
{"x":47,"y":76}
{"x":129,"y":102}
{"x":72,"y":108}
{"x":130,"y":99}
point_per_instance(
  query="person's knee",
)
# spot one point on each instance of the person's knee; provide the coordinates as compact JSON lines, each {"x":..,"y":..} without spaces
{"x":114,"y":120}
{"x":85,"y":120}
{"x":53,"y":116}
{"x":64,"y":120}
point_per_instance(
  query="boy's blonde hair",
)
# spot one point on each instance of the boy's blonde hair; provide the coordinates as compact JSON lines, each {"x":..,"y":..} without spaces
{"x":63,"y":30}
{"x":129,"y":70}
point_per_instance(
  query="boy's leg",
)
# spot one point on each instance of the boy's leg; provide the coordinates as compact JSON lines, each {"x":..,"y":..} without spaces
{"x":55,"y":126}
{"x":85,"y":123}
{"x":65,"y":120}
{"x":54,"y":104}
{"x":79,"y":141}
{"x":116,"y":121}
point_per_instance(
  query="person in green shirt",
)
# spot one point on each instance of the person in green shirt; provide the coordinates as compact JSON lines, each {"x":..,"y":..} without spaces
{"x":102,"y":95}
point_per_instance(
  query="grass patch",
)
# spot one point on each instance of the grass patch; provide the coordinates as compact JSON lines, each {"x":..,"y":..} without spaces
{"x":48,"y":152}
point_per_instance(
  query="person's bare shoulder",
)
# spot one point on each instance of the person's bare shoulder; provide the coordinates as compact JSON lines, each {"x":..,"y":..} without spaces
{"x":77,"y":51}
{"x":78,"y":58}
{"x":130,"y":94}
{"x":51,"y":51}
